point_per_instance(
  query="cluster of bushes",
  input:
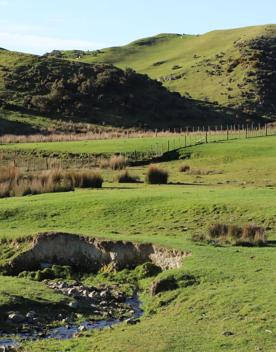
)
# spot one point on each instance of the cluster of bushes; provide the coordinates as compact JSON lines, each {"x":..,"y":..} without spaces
{"x":249,"y":234}
{"x":74,"y":89}
{"x":13,"y":183}
{"x":154,"y":175}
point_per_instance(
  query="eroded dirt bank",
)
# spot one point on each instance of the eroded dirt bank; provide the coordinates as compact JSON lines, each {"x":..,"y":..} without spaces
{"x":90,"y":254}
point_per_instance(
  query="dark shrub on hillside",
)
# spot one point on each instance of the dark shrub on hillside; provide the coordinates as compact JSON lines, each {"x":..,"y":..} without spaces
{"x":98,"y":92}
{"x":125,"y":177}
{"x":156,"y":176}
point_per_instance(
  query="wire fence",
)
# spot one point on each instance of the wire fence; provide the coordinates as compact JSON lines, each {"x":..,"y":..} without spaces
{"x":170,"y":141}
{"x":192,"y":137}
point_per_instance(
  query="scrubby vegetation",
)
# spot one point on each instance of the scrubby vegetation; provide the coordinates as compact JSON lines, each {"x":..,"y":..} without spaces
{"x":51,"y":273}
{"x":14,"y":183}
{"x":248,"y":235}
{"x":156,"y":176}
{"x":94,"y":93}
{"x":117,"y":162}
{"x":125,"y":177}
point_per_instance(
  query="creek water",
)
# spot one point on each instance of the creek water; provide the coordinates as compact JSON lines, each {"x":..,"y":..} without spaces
{"x":61,"y":333}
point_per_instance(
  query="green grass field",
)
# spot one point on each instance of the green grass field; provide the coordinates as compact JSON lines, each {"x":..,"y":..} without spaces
{"x":236,"y":292}
{"x":109,"y":146}
{"x":157,"y":144}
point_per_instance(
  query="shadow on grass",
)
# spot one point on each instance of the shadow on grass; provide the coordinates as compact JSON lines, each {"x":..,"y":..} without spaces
{"x":188,"y":184}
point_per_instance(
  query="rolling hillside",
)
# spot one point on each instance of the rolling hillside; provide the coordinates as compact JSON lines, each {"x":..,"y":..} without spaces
{"x":233,"y":68}
{"x":37,"y":90}
{"x":223,"y":77}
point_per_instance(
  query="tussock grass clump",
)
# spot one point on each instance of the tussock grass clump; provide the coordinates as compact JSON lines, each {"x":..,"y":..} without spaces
{"x":234,"y":232}
{"x":86,"y":179}
{"x":14,"y":184}
{"x":249,"y":234}
{"x":9,"y":173}
{"x":118,"y":162}
{"x":104,"y":164}
{"x":253,"y":234}
{"x":156,"y":176}
{"x":217,"y":230}
{"x":4,"y":190}
{"x":184,"y":168}
{"x":125,"y":177}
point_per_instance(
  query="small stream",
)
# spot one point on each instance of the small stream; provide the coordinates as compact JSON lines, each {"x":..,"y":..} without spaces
{"x":70,"y":331}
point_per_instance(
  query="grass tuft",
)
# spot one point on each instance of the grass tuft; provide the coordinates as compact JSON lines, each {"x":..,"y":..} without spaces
{"x":156,"y":176}
{"x":125,"y":177}
{"x":118,"y":162}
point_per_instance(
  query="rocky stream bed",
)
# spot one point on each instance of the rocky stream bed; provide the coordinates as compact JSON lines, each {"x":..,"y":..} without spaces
{"x":107,"y":304}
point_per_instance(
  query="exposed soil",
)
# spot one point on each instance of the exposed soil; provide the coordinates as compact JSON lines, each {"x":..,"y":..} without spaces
{"x":91,"y":254}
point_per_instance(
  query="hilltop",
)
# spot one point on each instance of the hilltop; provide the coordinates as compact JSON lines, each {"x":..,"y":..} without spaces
{"x":232,"y":68}
{"x":165,"y":81}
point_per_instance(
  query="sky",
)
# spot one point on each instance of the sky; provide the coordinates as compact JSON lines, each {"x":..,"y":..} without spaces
{"x":39,"y":26}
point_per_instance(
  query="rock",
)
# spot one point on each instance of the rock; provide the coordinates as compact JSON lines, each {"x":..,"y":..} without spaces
{"x":9,"y":348}
{"x":82,"y":328}
{"x":85,"y":293}
{"x":73,"y":305}
{"x":92,"y":294}
{"x":72,"y":291}
{"x":16,"y":318}
{"x":132,"y":321}
{"x":31,"y":315}
{"x":161,"y":285}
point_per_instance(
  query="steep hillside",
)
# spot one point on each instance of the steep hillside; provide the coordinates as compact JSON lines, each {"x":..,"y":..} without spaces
{"x":233,"y":68}
{"x":94,"y":93}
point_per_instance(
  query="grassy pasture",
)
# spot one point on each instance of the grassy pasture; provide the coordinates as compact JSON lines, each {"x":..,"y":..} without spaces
{"x":158,"y":144}
{"x":233,"y":307}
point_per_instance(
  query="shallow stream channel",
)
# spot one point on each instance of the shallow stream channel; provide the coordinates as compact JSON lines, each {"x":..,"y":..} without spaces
{"x":89,"y":284}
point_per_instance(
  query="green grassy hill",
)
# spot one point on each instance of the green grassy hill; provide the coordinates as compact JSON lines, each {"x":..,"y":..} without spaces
{"x":225,"y":76}
{"x":34,"y":88}
{"x":234,"y":68}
